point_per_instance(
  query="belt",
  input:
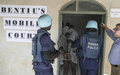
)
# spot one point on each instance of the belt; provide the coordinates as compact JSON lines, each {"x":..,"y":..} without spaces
{"x":116,"y":65}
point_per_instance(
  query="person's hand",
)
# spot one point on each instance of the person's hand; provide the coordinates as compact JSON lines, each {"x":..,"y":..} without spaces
{"x":61,"y":49}
{"x":67,"y":56}
{"x":103,"y":25}
{"x":57,"y":52}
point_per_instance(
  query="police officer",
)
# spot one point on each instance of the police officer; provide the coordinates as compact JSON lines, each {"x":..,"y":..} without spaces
{"x":44,"y":58}
{"x":91,"y":44}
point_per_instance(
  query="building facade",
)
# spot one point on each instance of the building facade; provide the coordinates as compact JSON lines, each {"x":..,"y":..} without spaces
{"x":18,"y":24}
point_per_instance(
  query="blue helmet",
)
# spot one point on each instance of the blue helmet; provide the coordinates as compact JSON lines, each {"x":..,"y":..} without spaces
{"x":92,"y":24}
{"x":44,"y":21}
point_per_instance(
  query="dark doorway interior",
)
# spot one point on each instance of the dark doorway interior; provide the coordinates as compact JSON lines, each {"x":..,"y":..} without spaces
{"x":80,"y":21}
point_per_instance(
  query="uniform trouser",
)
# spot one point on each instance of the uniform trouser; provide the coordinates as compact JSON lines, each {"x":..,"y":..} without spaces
{"x":88,"y":66}
{"x":43,"y":69}
{"x":115,"y":70}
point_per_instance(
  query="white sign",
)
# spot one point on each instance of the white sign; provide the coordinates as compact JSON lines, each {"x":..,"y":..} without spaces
{"x":21,"y":23}
{"x":115,"y":13}
{"x":22,"y":10}
{"x":20,"y":36}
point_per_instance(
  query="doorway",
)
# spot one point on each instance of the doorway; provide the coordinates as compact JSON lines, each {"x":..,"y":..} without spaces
{"x":78,"y":13}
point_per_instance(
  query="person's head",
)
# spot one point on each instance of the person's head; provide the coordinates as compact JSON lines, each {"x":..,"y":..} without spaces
{"x":66,"y":28}
{"x":67,"y":24}
{"x":45,"y":22}
{"x":67,"y":35}
{"x":71,"y":26}
{"x":117,"y":31}
{"x":92,"y":26}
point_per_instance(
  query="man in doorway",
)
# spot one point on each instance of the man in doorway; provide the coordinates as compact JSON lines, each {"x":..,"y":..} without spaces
{"x":114,"y":55}
{"x":45,"y":53}
{"x":72,"y":51}
{"x":68,"y":36}
{"x":62,"y":45}
{"x":91,"y":47}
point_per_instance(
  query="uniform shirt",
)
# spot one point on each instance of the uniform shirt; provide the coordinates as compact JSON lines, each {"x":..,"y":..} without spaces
{"x":114,"y":55}
{"x":46,"y":42}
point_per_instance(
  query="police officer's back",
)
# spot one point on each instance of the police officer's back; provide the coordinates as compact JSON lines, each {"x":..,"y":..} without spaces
{"x":91,"y":44}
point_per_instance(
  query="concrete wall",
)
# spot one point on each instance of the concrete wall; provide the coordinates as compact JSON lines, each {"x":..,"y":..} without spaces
{"x":15,"y":57}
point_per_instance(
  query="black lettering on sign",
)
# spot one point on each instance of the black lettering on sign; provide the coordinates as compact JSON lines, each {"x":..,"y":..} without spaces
{"x":16,"y":10}
{"x":16,"y":35}
{"x":42,"y":10}
{"x":22,"y":10}
{"x":31,"y":24}
{"x":28,"y":11}
{"x":3,"y":10}
{"x":21,"y":23}
{"x":23,"y":35}
{"x":34,"y":10}
{"x":29,"y":36}
{"x":9,"y":10}
{"x":8,"y":22}
{"x":14,"y":22}
{"x":9,"y":35}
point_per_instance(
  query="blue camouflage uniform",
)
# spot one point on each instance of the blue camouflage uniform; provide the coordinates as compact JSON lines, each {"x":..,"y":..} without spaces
{"x":45,"y":43}
{"x":89,"y":53}
{"x":114,"y":55}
